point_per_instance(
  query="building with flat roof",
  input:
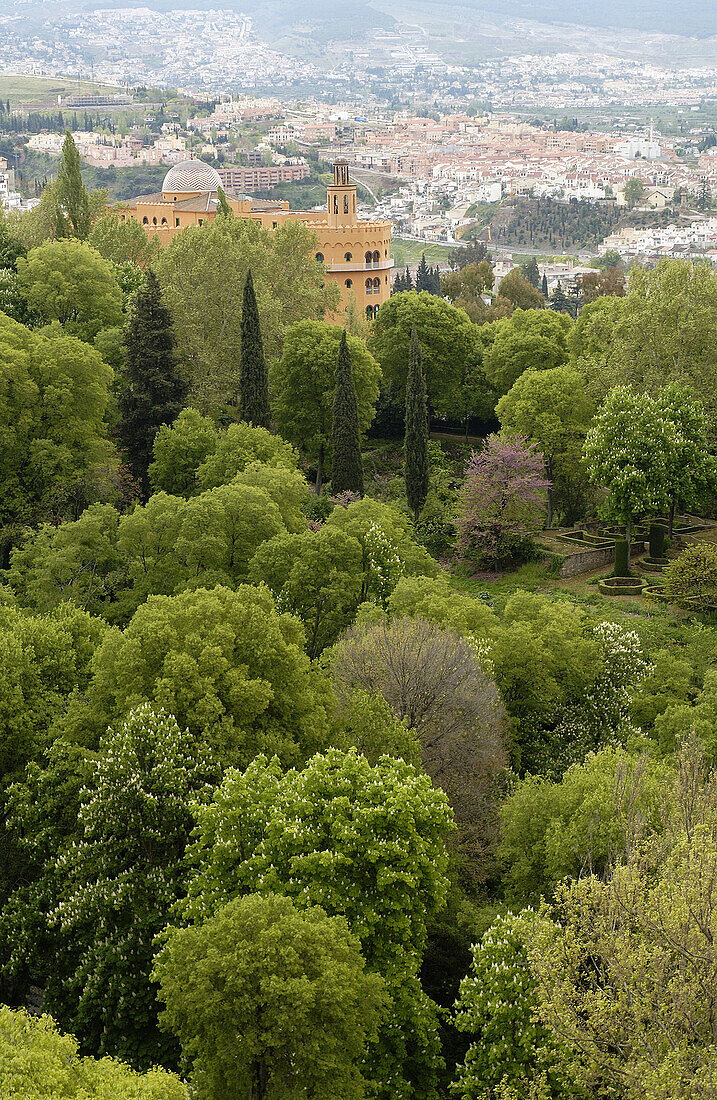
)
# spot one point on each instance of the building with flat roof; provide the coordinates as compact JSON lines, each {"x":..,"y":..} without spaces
{"x":356,"y":254}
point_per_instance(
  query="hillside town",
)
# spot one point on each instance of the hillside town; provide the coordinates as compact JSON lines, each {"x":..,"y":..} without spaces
{"x":438,"y":178}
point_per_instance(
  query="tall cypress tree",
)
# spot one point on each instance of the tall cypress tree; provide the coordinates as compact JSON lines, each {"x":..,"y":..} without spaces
{"x":223,"y":206}
{"x":423,"y":279}
{"x":347,"y":473}
{"x":253,"y":379}
{"x":544,"y":285}
{"x":72,"y":210}
{"x":416,"y":435}
{"x":155,"y":391}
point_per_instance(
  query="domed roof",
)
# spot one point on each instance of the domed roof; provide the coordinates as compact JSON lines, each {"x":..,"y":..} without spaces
{"x":189,"y":176}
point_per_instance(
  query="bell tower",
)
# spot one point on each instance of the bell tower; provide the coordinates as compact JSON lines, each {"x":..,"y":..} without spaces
{"x":341,"y":197}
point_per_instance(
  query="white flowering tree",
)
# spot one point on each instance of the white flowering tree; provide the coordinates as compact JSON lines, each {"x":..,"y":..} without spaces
{"x":510,"y":1049}
{"x":360,"y":841}
{"x":628,"y":450}
{"x":123,"y":877}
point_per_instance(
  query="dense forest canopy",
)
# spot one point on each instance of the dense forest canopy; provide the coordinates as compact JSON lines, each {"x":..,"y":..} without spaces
{"x":323,"y":772}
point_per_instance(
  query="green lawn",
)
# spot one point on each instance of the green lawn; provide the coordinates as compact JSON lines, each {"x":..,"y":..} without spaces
{"x":40,"y":91}
{"x":410,"y":252}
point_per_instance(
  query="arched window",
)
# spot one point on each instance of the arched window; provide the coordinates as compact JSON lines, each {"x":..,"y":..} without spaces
{"x":376,"y":285}
{"x":145,"y":220}
{"x":347,"y":257}
{"x":367,"y":257}
{"x":154,"y":221}
{"x":348,"y":284}
{"x":319,"y":257}
{"x":164,"y":221}
{"x":369,"y":312}
{"x":346,"y":204}
{"x":369,"y":286}
{"x":336,"y":204}
{"x":376,"y":256}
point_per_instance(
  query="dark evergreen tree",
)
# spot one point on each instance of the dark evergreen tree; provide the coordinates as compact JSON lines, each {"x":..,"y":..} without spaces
{"x":397,"y":284}
{"x":704,"y":196}
{"x":531,"y":272}
{"x":423,"y":278}
{"x":154,"y":391}
{"x":72,"y":210}
{"x":416,"y":433}
{"x":559,"y":300}
{"x":407,"y":280}
{"x":347,"y":470}
{"x":253,"y":378}
{"x":223,"y":206}
{"x":544,"y":286}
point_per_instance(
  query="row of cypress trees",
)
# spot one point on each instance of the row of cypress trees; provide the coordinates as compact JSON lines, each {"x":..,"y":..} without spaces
{"x":155,"y":393}
{"x":155,"y":390}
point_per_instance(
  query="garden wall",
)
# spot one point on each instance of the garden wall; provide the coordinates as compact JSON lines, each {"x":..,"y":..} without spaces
{"x":583,"y":561}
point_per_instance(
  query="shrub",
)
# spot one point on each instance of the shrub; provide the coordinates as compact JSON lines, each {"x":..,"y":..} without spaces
{"x":692,"y":579}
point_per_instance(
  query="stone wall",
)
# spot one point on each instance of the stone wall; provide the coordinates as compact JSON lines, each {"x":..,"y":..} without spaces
{"x":584,"y":561}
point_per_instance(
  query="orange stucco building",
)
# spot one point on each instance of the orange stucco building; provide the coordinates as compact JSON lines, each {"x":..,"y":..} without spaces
{"x":356,"y":254}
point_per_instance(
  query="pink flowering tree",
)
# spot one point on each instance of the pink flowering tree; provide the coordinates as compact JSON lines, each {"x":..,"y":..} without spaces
{"x":502,"y":502}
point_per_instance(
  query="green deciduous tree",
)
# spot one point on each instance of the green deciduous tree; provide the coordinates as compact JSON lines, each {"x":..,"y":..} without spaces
{"x":388,"y":551}
{"x":68,"y":281}
{"x":550,"y":407}
{"x":581,"y":824}
{"x":633,"y":191}
{"x":53,"y":401}
{"x":270,"y":1000}
{"x":202,"y":273}
{"x":527,"y":340}
{"x":238,"y":449}
{"x":72,"y":208}
{"x":122,"y":877}
{"x":179,"y":450}
{"x":628,"y":451}
{"x":519,"y":291}
{"x":691,"y":469}
{"x":304,"y":386}
{"x":39,"y":1063}
{"x":45,"y":660}
{"x":448,"y":338}
{"x":153,"y":390}
{"x":363,"y":842}
{"x":316,"y":575}
{"x":416,"y":434}
{"x":346,"y":464}
{"x":627,"y":968}
{"x":121,"y":242}
{"x":224,"y":663}
{"x":510,"y":1048}
{"x":253,"y":377}
{"x":692,"y":578}
{"x":657,"y":334}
